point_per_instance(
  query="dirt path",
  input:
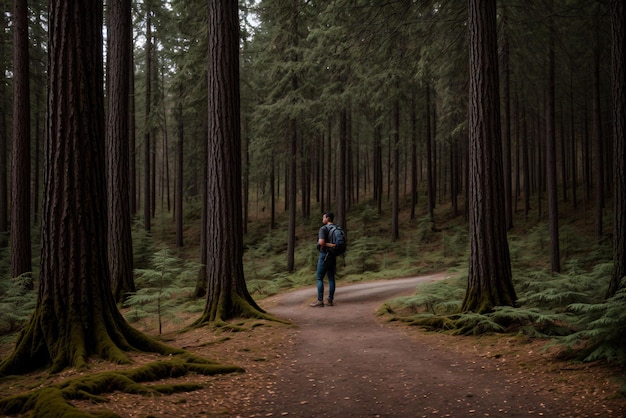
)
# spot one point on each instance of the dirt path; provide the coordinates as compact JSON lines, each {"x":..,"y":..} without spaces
{"x":345,"y":363}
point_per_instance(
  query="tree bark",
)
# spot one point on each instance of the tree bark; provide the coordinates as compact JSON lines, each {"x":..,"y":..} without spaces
{"x":618,"y":76}
{"x":76,"y":316}
{"x":553,"y":198}
{"x":489,"y":279}
{"x":341,"y":168}
{"x":120,"y":243}
{"x":178,"y":211}
{"x":4,"y":166}
{"x":395,"y":227}
{"x":506,"y":122}
{"x":413,"y":155}
{"x":147,"y":150}
{"x":21,"y":251}
{"x":292,"y":194}
{"x":132,"y":150}
{"x":430,"y":181}
{"x":292,"y":183}
{"x":227,"y":295}
{"x":599,"y":140}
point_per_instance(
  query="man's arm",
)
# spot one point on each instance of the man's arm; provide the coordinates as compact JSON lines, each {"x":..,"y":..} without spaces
{"x":322,"y":241}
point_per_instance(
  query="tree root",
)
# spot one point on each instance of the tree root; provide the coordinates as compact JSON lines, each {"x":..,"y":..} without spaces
{"x":53,"y":401}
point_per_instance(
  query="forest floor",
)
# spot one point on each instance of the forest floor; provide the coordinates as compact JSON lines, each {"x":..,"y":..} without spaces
{"x":344,"y":361}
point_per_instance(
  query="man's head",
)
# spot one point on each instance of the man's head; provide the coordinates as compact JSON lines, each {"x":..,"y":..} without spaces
{"x":328,"y":216}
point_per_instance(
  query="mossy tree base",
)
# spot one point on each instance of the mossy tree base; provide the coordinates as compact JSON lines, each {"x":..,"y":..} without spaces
{"x":218,"y":311}
{"x":64,"y":339}
{"x":54,"y":401}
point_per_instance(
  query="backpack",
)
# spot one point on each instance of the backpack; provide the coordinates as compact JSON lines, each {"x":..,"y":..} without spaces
{"x":337,"y":236}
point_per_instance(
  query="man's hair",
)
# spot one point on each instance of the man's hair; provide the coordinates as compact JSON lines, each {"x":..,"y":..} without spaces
{"x":330,"y":215}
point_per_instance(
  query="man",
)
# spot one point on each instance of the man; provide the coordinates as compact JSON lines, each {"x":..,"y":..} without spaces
{"x":326,"y":263}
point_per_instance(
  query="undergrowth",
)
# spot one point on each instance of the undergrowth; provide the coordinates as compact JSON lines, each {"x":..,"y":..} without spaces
{"x":568,"y":308}
{"x":161,"y":288}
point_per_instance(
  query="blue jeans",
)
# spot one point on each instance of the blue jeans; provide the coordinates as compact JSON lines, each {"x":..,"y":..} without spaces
{"x":326,"y":265}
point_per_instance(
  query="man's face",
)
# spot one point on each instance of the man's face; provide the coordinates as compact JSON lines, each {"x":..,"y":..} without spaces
{"x":325,"y":219}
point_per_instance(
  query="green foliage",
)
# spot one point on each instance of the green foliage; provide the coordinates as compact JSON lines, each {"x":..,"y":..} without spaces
{"x":437,"y":298}
{"x":161,"y":288}
{"x":556,"y":291}
{"x":17,"y":301}
{"x":601,"y":331}
{"x":549,"y":306}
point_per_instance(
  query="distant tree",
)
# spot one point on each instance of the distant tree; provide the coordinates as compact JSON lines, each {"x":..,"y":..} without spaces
{"x":618,"y":76}
{"x":506,"y":120}
{"x":21,"y":252}
{"x":551,"y":177}
{"x":227,"y":294}
{"x":4,"y":132}
{"x":598,"y":133}
{"x":76,"y":316}
{"x":489,"y":279}
{"x":4,"y":201}
{"x":395,"y":222}
{"x":147,"y":207}
{"x":178,"y":198}
{"x":120,"y":245}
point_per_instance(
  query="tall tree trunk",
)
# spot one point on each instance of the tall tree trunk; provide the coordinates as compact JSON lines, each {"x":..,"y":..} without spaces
{"x":430,"y":181}
{"x":293,"y":140}
{"x":599,"y":140}
{"x":147,"y":206}
{"x":246,"y":175}
{"x":378,"y":168}
{"x":120,"y":244}
{"x":4,"y":195}
{"x":201,"y":281}
{"x":341,"y":168}
{"x":273,"y":194}
{"x":165,"y":169}
{"x":132,"y":146}
{"x":506,"y":126}
{"x":21,"y":251}
{"x":489,"y":279}
{"x":292,"y":196}
{"x":413,"y":154}
{"x":553,"y":197}
{"x":76,"y":316}
{"x":227,"y":295}
{"x":526,"y":164}
{"x":4,"y":134}
{"x":351,"y":193}
{"x":179,"y":171}
{"x":573,"y":148}
{"x":618,"y":77}
{"x":395,"y":227}
{"x":564,"y":155}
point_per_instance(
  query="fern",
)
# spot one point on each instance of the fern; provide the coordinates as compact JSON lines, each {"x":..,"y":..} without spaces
{"x":160,"y":287}
{"x":602,"y":333}
{"x":438,"y":298}
{"x":475,"y":324}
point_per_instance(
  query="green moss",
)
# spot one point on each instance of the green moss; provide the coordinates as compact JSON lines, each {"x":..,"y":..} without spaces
{"x":50,"y":403}
{"x":53,"y":401}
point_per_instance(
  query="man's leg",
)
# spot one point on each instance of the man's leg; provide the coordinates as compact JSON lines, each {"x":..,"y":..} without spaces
{"x":331,"y":271}
{"x":321,"y":271}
